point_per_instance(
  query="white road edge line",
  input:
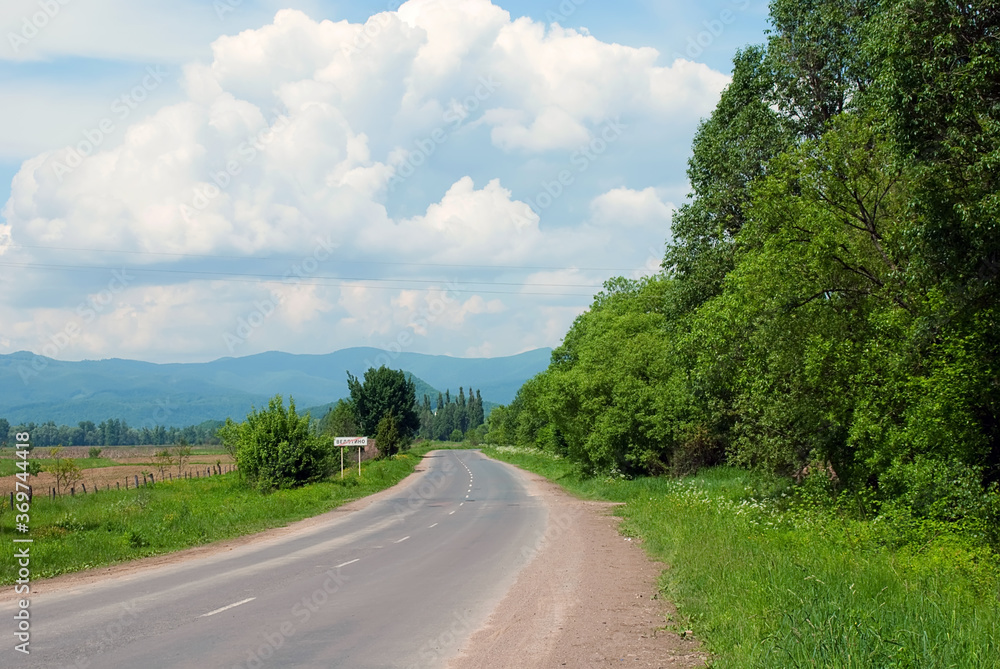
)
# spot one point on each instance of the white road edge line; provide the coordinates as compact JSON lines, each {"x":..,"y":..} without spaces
{"x":402,"y":540}
{"x":344,"y":564}
{"x":226,"y":608}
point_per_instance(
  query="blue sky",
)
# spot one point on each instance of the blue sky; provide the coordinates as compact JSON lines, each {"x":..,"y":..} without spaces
{"x":201,"y":179}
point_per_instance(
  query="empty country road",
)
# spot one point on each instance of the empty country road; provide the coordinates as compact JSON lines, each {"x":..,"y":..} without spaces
{"x":401,"y":582}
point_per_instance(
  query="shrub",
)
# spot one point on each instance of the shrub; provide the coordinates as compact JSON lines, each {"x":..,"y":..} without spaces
{"x":274,"y":447}
{"x":936,"y":489}
{"x":94,"y":452}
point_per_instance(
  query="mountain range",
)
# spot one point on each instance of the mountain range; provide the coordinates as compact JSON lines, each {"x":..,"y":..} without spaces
{"x":39,"y":389}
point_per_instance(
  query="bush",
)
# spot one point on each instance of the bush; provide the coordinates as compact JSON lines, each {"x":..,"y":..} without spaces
{"x":456,"y":435}
{"x":94,"y":452}
{"x":275,"y":449}
{"x":937,"y":489}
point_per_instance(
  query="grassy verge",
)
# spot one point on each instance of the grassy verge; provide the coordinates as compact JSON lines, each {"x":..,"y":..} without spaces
{"x":768,"y":579}
{"x":76,"y":533}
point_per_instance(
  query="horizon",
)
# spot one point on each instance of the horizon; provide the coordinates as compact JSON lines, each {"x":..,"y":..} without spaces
{"x":260,"y":353}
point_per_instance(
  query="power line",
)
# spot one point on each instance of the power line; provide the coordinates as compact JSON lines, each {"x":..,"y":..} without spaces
{"x":329,"y":280}
{"x":346,"y":262}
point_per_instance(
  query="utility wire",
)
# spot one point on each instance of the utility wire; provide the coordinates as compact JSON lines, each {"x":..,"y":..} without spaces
{"x":346,"y":262}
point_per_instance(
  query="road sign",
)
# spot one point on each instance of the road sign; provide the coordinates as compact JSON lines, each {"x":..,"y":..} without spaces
{"x":344,"y":442}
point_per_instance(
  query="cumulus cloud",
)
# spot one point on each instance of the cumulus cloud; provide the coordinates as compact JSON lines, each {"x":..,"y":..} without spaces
{"x":366,"y":135}
{"x":631,"y":208}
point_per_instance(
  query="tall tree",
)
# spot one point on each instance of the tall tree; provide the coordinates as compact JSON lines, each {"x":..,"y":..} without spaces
{"x":817,"y":59}
{"x":731,"y":151}
{"x":478,"y":416}
{"x":384,"y":390}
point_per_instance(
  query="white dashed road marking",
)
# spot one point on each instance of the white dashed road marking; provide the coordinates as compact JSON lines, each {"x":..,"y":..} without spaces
{"x":226,"y":608}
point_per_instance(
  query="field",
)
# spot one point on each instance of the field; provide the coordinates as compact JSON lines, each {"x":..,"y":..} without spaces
{"x":114,"y":466}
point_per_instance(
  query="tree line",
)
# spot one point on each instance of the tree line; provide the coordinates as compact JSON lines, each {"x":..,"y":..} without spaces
{"x":110,"y":432}
{"x":829,"y":297}
{"x":451,"y":419}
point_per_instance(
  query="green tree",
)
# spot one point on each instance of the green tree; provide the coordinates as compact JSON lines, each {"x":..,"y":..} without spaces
{"x":182,"y":452}
{"x":731,"y":151}
{"x":65,"y":470}
{"x":275,"y":448}
{"x":383,"y":391}
{"x":339,"y":421}
{"x":388,"y":437}
{"x":817,"y":58}
{"x":477,"y":417}
{"x":164,"y":461}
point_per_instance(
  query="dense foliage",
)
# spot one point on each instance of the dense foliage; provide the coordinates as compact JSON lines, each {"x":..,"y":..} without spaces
{"x":340,"y":421}
{"x":274,"y":448}
{"x":829,"y":297}
{"x":384,"y":391}
{"x":451,"y":417}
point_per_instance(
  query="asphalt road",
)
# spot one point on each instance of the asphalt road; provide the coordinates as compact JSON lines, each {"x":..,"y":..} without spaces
{"x":400,"y":583}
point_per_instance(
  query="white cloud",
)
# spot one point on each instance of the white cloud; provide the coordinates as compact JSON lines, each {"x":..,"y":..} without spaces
{"x":631,"y":208}
{"x":369,"y":136}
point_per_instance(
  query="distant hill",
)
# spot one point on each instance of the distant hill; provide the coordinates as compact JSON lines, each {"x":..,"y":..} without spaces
{"x":181,"y":394}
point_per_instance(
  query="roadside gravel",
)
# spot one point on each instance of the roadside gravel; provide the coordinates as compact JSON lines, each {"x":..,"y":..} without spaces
{"x":586,"y":598}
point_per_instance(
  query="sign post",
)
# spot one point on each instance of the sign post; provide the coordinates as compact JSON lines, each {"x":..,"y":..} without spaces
{"x":344,"y":442}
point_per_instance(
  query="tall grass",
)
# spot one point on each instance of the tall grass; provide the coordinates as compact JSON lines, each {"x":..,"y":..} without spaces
{"x":768,"y":577}
{"x":75,"y":533}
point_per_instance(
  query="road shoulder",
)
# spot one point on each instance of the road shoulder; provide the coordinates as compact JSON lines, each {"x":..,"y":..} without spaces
{"x":587,"y":597}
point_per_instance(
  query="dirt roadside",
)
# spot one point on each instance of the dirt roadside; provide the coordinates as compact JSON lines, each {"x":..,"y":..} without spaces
{"x":587,"y":598}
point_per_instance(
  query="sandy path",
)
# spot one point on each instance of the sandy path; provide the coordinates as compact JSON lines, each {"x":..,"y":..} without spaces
{"x":587,"y":598}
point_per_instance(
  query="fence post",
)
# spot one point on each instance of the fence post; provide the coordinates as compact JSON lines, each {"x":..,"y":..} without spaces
{"x":84,"y":488}
{"x":72,"y":492}
{"x":137,"y":480}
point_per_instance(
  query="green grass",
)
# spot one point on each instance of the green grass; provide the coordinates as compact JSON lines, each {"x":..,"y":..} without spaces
{"x":767,"y":579}
{"x":75,"y":533}
{"x":9,"y":466}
